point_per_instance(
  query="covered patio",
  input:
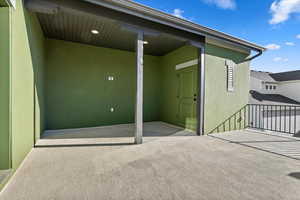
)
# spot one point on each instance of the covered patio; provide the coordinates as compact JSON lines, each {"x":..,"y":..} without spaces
{"x":107,"y":68}
{"x":234,"y":165}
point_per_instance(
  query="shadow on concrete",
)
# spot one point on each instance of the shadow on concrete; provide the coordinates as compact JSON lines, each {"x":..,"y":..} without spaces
{"x":297,"y":135}
{"x":295,"y":175}
{"x":275,"y":150}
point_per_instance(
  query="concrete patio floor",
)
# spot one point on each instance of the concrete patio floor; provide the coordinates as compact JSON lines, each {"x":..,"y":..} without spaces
{"x":218,"y":166}
{"x":121,"y":134}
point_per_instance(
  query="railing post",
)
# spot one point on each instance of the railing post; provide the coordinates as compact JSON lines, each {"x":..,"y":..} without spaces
{"x":284,"y":118}
{"x":295,"y":120}
{"x":280,"y":123}
{"x":290,"y":121}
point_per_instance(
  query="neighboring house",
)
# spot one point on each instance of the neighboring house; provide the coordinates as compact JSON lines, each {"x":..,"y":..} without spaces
{"x":86,"y":63}
{"x":288,"y":84}
{"x":275,"y":98}
{"x":275,"y":88}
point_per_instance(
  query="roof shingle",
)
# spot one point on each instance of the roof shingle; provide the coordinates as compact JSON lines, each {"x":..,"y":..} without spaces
{"x":286,"y":76}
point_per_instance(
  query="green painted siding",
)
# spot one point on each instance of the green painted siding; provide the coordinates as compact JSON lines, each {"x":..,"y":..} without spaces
{"x":219,"y":103}
{"x":4,"y":88}
{"x":79,"y":94}
{"x":27,"y":56}
{"x":169,"y":104}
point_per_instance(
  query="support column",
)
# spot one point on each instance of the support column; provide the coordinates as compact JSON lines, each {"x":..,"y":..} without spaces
{"x":201,"y":92}
{"x":139,"y":88}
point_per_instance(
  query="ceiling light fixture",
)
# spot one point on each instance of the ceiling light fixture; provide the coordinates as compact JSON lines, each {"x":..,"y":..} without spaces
{"x":95,"y":32}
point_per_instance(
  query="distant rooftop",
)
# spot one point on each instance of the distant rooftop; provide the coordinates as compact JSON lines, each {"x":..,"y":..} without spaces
{"x":264,"y":76}
{"x":276,"y":77}
{"x":286,"y":76}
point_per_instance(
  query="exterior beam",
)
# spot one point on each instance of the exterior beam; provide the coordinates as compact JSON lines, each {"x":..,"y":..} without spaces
{"x":137,"y":29}
{"x":139,"y":88}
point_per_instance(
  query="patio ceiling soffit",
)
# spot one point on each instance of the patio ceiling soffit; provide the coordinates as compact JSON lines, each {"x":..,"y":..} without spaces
{"x":128,"y":22}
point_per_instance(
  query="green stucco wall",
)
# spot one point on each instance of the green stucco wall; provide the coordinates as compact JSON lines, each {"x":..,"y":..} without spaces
{"x":37,"y":50}
{"x":27,"y":58}
{"x":79,"y":94}
{"x":169,"y":101}
{"x":219,"y":103}
{"x":4,"y":88}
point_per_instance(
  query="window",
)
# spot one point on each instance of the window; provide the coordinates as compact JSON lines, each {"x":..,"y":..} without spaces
{"x":271,"y":87}
{"x":230,"y":75}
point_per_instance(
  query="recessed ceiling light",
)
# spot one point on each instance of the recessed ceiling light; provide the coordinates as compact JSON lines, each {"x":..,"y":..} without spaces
{"x":95,"y":32}
{"x":146,"y":42}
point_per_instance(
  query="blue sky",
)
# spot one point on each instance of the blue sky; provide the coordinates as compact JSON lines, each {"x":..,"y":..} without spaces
{"x":270,"y":23}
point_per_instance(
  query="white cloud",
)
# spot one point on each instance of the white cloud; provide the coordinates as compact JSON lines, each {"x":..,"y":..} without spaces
{"x":298,"y":36}
{"x":282,"y":9}
{"x":273,"y":46}
{"x":178,"y":13}
{"x":224,"y":4}
{"x":290,"y":43}
{"x":277,"y":59}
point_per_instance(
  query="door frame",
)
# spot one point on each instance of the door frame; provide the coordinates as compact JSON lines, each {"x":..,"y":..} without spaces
{"x":201,"y":84}
{"x":180,"y":97}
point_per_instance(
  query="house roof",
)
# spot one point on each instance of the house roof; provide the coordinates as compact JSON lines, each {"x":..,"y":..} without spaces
{"x":276,"y":77}
{"x":131,"y":9}
{"x":270,"y":99}
{"x":264,"y":76}
{"x":286,"y":76}
{"x":180,"y":23}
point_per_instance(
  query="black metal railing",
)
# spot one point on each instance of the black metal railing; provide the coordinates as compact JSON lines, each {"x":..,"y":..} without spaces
{"x":237,"y":121}
{"x":279,"y":118}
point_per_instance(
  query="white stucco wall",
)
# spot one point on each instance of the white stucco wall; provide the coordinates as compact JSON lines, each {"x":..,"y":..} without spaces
{"x":260,"y":86}
{"x":255,"y":84}
{"x":290,"y":89}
